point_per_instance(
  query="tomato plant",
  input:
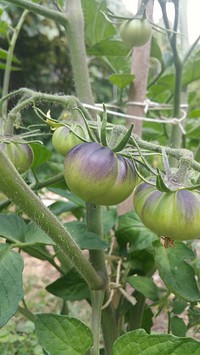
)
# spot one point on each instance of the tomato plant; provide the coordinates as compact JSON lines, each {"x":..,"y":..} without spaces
{"x":64,"y":140}
{"x":98,"y":175}
{"x":21,"y":155}
{"x":135,"y":33}
{"x":175,"y":215}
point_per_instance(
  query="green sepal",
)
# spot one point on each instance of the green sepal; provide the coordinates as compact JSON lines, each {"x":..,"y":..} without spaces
{"x":161,"y":185}
{"x":103,"y":132}
{"x":122,"y":144}
{"x":194,"y":187}
{"x":89,"y":131}
{"x":146,"y":164}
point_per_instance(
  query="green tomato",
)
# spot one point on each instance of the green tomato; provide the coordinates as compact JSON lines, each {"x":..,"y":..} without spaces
{"x":63,"y":140}
{"x":21,"y":155}
{"x":175,"y":215}
{"x":98,"y":175}
{"x":135,"y":33}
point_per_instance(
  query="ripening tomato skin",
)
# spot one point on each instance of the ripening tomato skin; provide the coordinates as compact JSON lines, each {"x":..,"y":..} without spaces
{"x":63,"y":140}
{"x":175,"y":215}
{"x":135,"y":32}
{"x":21,"y":155}
{"x":98,"y":175}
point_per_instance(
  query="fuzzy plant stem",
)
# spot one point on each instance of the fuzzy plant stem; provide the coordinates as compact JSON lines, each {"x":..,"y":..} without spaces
{"x":76,"y":42}
{"x":15,"y":188}
{"x":8,"y":66}
{"x":95,"y":225}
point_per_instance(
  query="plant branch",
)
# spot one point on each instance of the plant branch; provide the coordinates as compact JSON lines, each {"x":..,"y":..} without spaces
{"x":26,"y":313}
{"x":9,"y":63}
{"x":15,"y":188}
{"x":190,"y":50}
{"x":95,"y":225}
{"x":76,"y":42}
{"x":57,"y":16}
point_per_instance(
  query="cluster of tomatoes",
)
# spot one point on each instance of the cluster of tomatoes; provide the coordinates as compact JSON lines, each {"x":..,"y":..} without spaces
{"x":99,"y":176}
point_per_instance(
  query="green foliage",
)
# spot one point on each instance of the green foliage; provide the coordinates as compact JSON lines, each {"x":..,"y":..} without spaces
{"x":138,"y":341}
{"x":145,"y":279}
{"x":173,"y":265}
{"x":61,"y":334}
{"x":11,"y":292}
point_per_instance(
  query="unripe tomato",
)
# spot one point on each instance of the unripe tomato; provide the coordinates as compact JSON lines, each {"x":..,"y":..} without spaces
{"x":135,"y":33}
{"x":21,"y":155}
{"x":175,"y":215}
{"x":63,"y":140}
{"x":98,"y":175}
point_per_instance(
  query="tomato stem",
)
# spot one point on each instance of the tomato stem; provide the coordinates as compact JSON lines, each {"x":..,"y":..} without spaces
{"x":95,"y":225}
{"x":15,"y":188}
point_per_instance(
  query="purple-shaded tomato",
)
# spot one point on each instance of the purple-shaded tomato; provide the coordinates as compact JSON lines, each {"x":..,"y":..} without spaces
{"x":64,"y":140}
{"x":21,"y":155}
{"x":175,"y":215}
{"x":135,"y":32}
{"x":98,"y":175}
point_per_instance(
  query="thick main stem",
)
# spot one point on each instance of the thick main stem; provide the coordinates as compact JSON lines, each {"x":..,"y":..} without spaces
{"x":8,"y":66}
{"x":75,"y":35}
{"x":15,"y":188}
{"x":95,"y":225}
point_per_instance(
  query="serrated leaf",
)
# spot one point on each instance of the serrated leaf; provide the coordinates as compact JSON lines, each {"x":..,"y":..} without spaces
{"x":61,"y":335}
{"x":109,"y":219}
{"x":35,"y":235}
{"x":13,"y":228}
{"x":178,"y":326}
{"x":145,"y":285}
{"x":85,"y":239}
{"x":12,"y":68}
{"x":174,"y":270}
{"x":41,"y":154}
{"x":70,"y":287}
{"x":139,"y":342}
{"x":109,"y":47}
{"x":4,"y":53}
{"x":131,"y":229}
{"x":96,"y":26}
{"x":11,"y":291}
{"x":121,"y":80}
{"x":68,"y":195}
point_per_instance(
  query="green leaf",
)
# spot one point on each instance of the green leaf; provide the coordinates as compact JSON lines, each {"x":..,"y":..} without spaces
{"x":96,"y":26}
{"x":59,"y":207}
{"x":109,"y":47}
{"x":13,"y":228}
{"x":194,"y":316}
{"x":110,"y":217}
{"x":145,"y":285}
{"x":41,"y":154}
{"x":191,"y":70}
{"x":85,"y":239}
{"x":3,"y":66}
{"x":61,"y":335}
{"x":4,"y":54}
{"x":121,"y":80}
{"x":35,"y":235}
{"x":178,"y":327}
{"x":147,"y":320}
{"x":178,"y":305}
{"x":71,"y":287}
{"x":64,"y":192}
{"x":131,"y":229}
{"x":176,"y":273}
{"x":11,"y":291}
{"x":139,"y":342}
